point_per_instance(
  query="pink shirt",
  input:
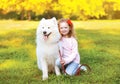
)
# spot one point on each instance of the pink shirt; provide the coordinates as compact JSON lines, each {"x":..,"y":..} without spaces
{"x":69,"y":50}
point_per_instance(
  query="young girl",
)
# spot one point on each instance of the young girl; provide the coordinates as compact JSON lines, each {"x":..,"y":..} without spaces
{"x":68,"y":48}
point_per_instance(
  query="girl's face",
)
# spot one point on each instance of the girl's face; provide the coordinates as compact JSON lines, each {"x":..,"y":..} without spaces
{"x":64,"y":29}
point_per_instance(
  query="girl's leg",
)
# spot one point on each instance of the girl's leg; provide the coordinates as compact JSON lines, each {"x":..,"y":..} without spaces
{"x":57,"y":62}
{"x":72,"y":68}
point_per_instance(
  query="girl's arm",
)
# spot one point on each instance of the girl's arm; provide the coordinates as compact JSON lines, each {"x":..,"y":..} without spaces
{"x":74,"y":52}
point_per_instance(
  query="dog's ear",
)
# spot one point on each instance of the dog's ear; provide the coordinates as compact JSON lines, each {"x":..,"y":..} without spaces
{"x":42,"y":19}
{"x":54,"y":20}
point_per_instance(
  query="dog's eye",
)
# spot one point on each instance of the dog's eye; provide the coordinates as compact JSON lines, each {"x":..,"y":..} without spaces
{"x":43,"y":27}
{"x":48,"y":27}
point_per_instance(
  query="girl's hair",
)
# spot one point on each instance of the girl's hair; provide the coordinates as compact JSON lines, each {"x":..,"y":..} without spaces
{"x":68,"y":21}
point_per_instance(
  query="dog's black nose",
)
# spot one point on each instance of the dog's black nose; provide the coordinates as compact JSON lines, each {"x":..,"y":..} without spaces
{"x":44,"y":32}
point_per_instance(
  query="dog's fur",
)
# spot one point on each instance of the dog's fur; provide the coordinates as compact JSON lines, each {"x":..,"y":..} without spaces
{"x":47,"y":37}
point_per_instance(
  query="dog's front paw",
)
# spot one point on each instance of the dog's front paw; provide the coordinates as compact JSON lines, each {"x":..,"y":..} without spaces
{"x":58,"y":73}
{"x":45,"y":77}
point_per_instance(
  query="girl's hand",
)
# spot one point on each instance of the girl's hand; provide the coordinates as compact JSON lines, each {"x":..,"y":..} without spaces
{"x":62,"y":62}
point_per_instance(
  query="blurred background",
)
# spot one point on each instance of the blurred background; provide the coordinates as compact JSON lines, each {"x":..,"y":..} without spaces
{"x":97,"y":26}
{"x":73,"y":9}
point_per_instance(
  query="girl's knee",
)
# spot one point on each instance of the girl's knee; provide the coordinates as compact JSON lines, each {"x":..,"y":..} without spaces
{"x":57,"y":62}
{"x":69,"y":73}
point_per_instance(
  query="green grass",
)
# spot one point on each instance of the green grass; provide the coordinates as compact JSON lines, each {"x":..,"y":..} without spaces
{"x":99,"y":47}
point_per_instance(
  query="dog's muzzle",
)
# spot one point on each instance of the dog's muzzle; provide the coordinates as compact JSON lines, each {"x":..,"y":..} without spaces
{"x":46,"y":35}
{"x":44,"y":32}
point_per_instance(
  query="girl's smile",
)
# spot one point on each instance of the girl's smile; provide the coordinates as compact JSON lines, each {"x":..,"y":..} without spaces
{"x":64,"y":29}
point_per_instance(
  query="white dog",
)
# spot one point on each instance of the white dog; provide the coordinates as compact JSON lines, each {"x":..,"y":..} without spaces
{"x":47,"y":46}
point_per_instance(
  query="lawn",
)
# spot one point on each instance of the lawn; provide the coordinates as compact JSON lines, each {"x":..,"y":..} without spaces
{"x":99,"y":47}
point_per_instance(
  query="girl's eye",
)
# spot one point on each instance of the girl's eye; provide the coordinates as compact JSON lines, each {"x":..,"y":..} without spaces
{"x":61,"y":28}
{"x":65,"y":27}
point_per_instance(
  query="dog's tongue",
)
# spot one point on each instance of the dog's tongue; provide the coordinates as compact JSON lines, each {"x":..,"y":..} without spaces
{"x":45,"y":38}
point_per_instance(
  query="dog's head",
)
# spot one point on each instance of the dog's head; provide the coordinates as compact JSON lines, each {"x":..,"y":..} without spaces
{"x":48,"y":27}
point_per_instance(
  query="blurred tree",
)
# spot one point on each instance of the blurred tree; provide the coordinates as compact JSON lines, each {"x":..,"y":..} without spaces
{"x":75,"y":9}
{"x":25,"y":7}
{"x":110,"y":8}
